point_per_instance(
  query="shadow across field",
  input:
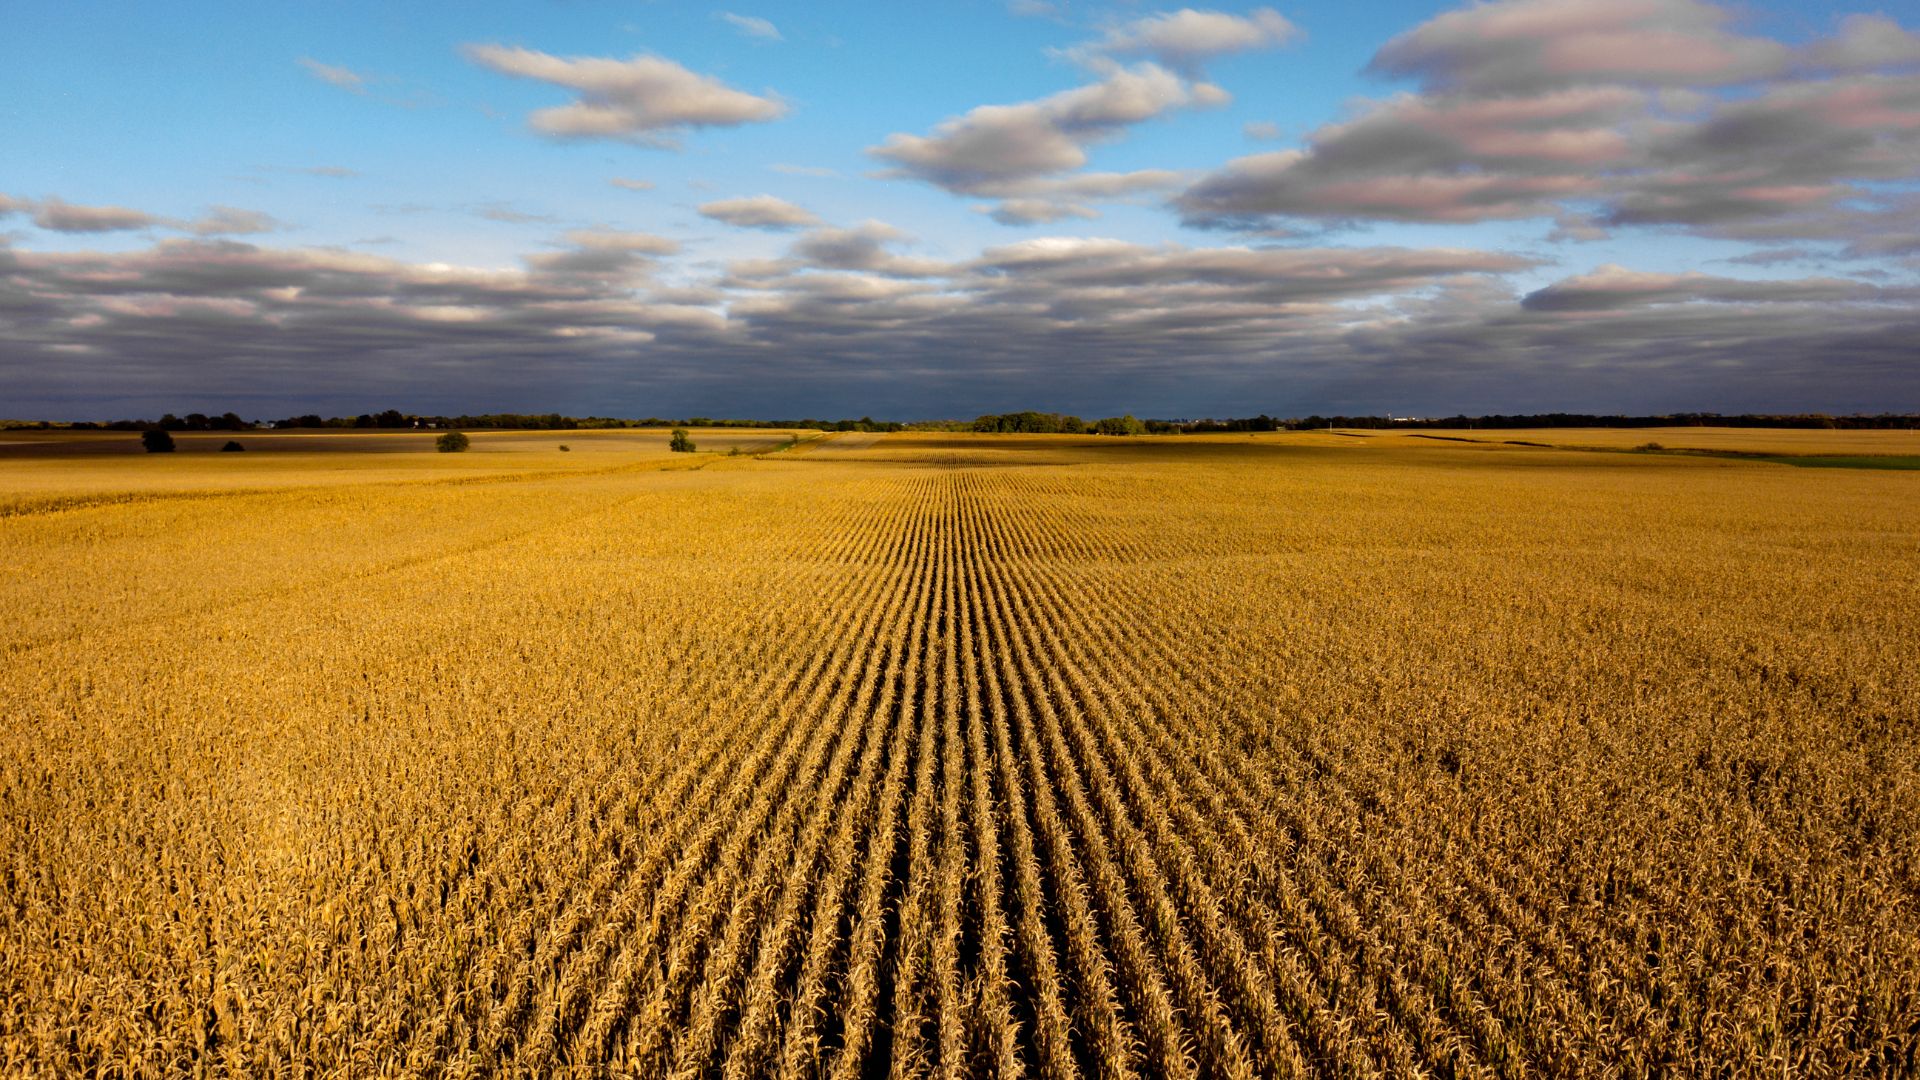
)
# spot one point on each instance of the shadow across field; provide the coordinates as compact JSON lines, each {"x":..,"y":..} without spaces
{"x":1903,"y":462}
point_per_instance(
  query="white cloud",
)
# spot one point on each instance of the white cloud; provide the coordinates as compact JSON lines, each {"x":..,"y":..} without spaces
{"x":1037,"y":9}
{"x":1036,"y":211}
{"x":864,"y":248}
{"x":1527,"y":46}
{"x":57,"y":215}
{"x":751,"y":26}
{"x":645,"y":99}
{"x":1636,"y":112}
{"x":605,"y":255}
{"x":802,"y":170}
{"x":1865,"y":42}
{"x":1187,"y":39}
{"x":232,"y":221}
{"x":334,"y":75}
{"x":759,"y":212}
{"x":628,"y":183}
{"x":617,"y":240}
{"x":1052,"y":319}
{"x":508,"y":214}
{"x":999,"y":150}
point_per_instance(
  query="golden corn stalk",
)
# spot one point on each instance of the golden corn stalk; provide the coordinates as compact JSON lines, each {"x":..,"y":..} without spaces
{"x":949,"y":755}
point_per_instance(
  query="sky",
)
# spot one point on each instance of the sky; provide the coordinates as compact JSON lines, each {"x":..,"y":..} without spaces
{"x":919,"y":211}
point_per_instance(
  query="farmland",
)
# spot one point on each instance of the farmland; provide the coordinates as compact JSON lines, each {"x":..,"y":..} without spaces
{"x":916,"y":755}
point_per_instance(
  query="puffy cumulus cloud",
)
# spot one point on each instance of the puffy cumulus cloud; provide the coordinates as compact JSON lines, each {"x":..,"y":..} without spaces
{"x":1415,"y":158}
{"x":1609,"y":113}
{"x":1794,"y":147}
{"x":1527,"y":46}
{"x":865,"y":247}
{"x":751,"y":26}
{"x":645,"y":99}
{"x":1185,"y":40}
{"x":1094,"y":325}
{"x":1865,"y":43}
{"x":759,"y":212}
{"x":1021,"y":151}
{"x":335,"y":75}
{"x":838,"y":261}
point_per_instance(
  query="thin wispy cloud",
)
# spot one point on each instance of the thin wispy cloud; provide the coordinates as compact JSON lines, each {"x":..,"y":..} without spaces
{"x":802,"y":170}
{"x":335,"y":75}
{"x":509,"y":214}
{"x":759,"y":212}
{"x":751,"y":26}
{"x":57,"y":215}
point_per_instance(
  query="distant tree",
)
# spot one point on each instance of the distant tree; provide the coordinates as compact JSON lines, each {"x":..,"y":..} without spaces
{"x":565,"y":448}
{"x":157,"y":441}
{"x":680,"y":443}
{"x":233,"y":447}
{"x":1119,"y":425}
{"x":452,"y":442}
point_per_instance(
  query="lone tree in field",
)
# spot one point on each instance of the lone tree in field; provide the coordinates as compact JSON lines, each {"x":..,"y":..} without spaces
{"x":233,"y":447}
{"x":451,"y":443}
{"x":680,"y":443}
{"x":157,"y":441}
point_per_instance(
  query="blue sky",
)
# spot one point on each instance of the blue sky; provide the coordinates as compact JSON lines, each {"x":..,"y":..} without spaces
{"x":1643,"y":205}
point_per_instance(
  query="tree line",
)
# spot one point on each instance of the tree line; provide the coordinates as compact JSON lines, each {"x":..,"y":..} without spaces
{"x":1027,"y":422}
{"x":393,"y":419}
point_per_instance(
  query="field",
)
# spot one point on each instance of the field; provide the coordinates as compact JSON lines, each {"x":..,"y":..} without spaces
{"x":917,"y":755}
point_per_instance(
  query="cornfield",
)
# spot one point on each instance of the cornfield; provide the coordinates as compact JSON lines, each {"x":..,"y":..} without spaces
{"x":947,"y":755}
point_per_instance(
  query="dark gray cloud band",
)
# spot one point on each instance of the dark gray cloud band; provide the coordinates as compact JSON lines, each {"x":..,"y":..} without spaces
{"x":849,"y":321}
